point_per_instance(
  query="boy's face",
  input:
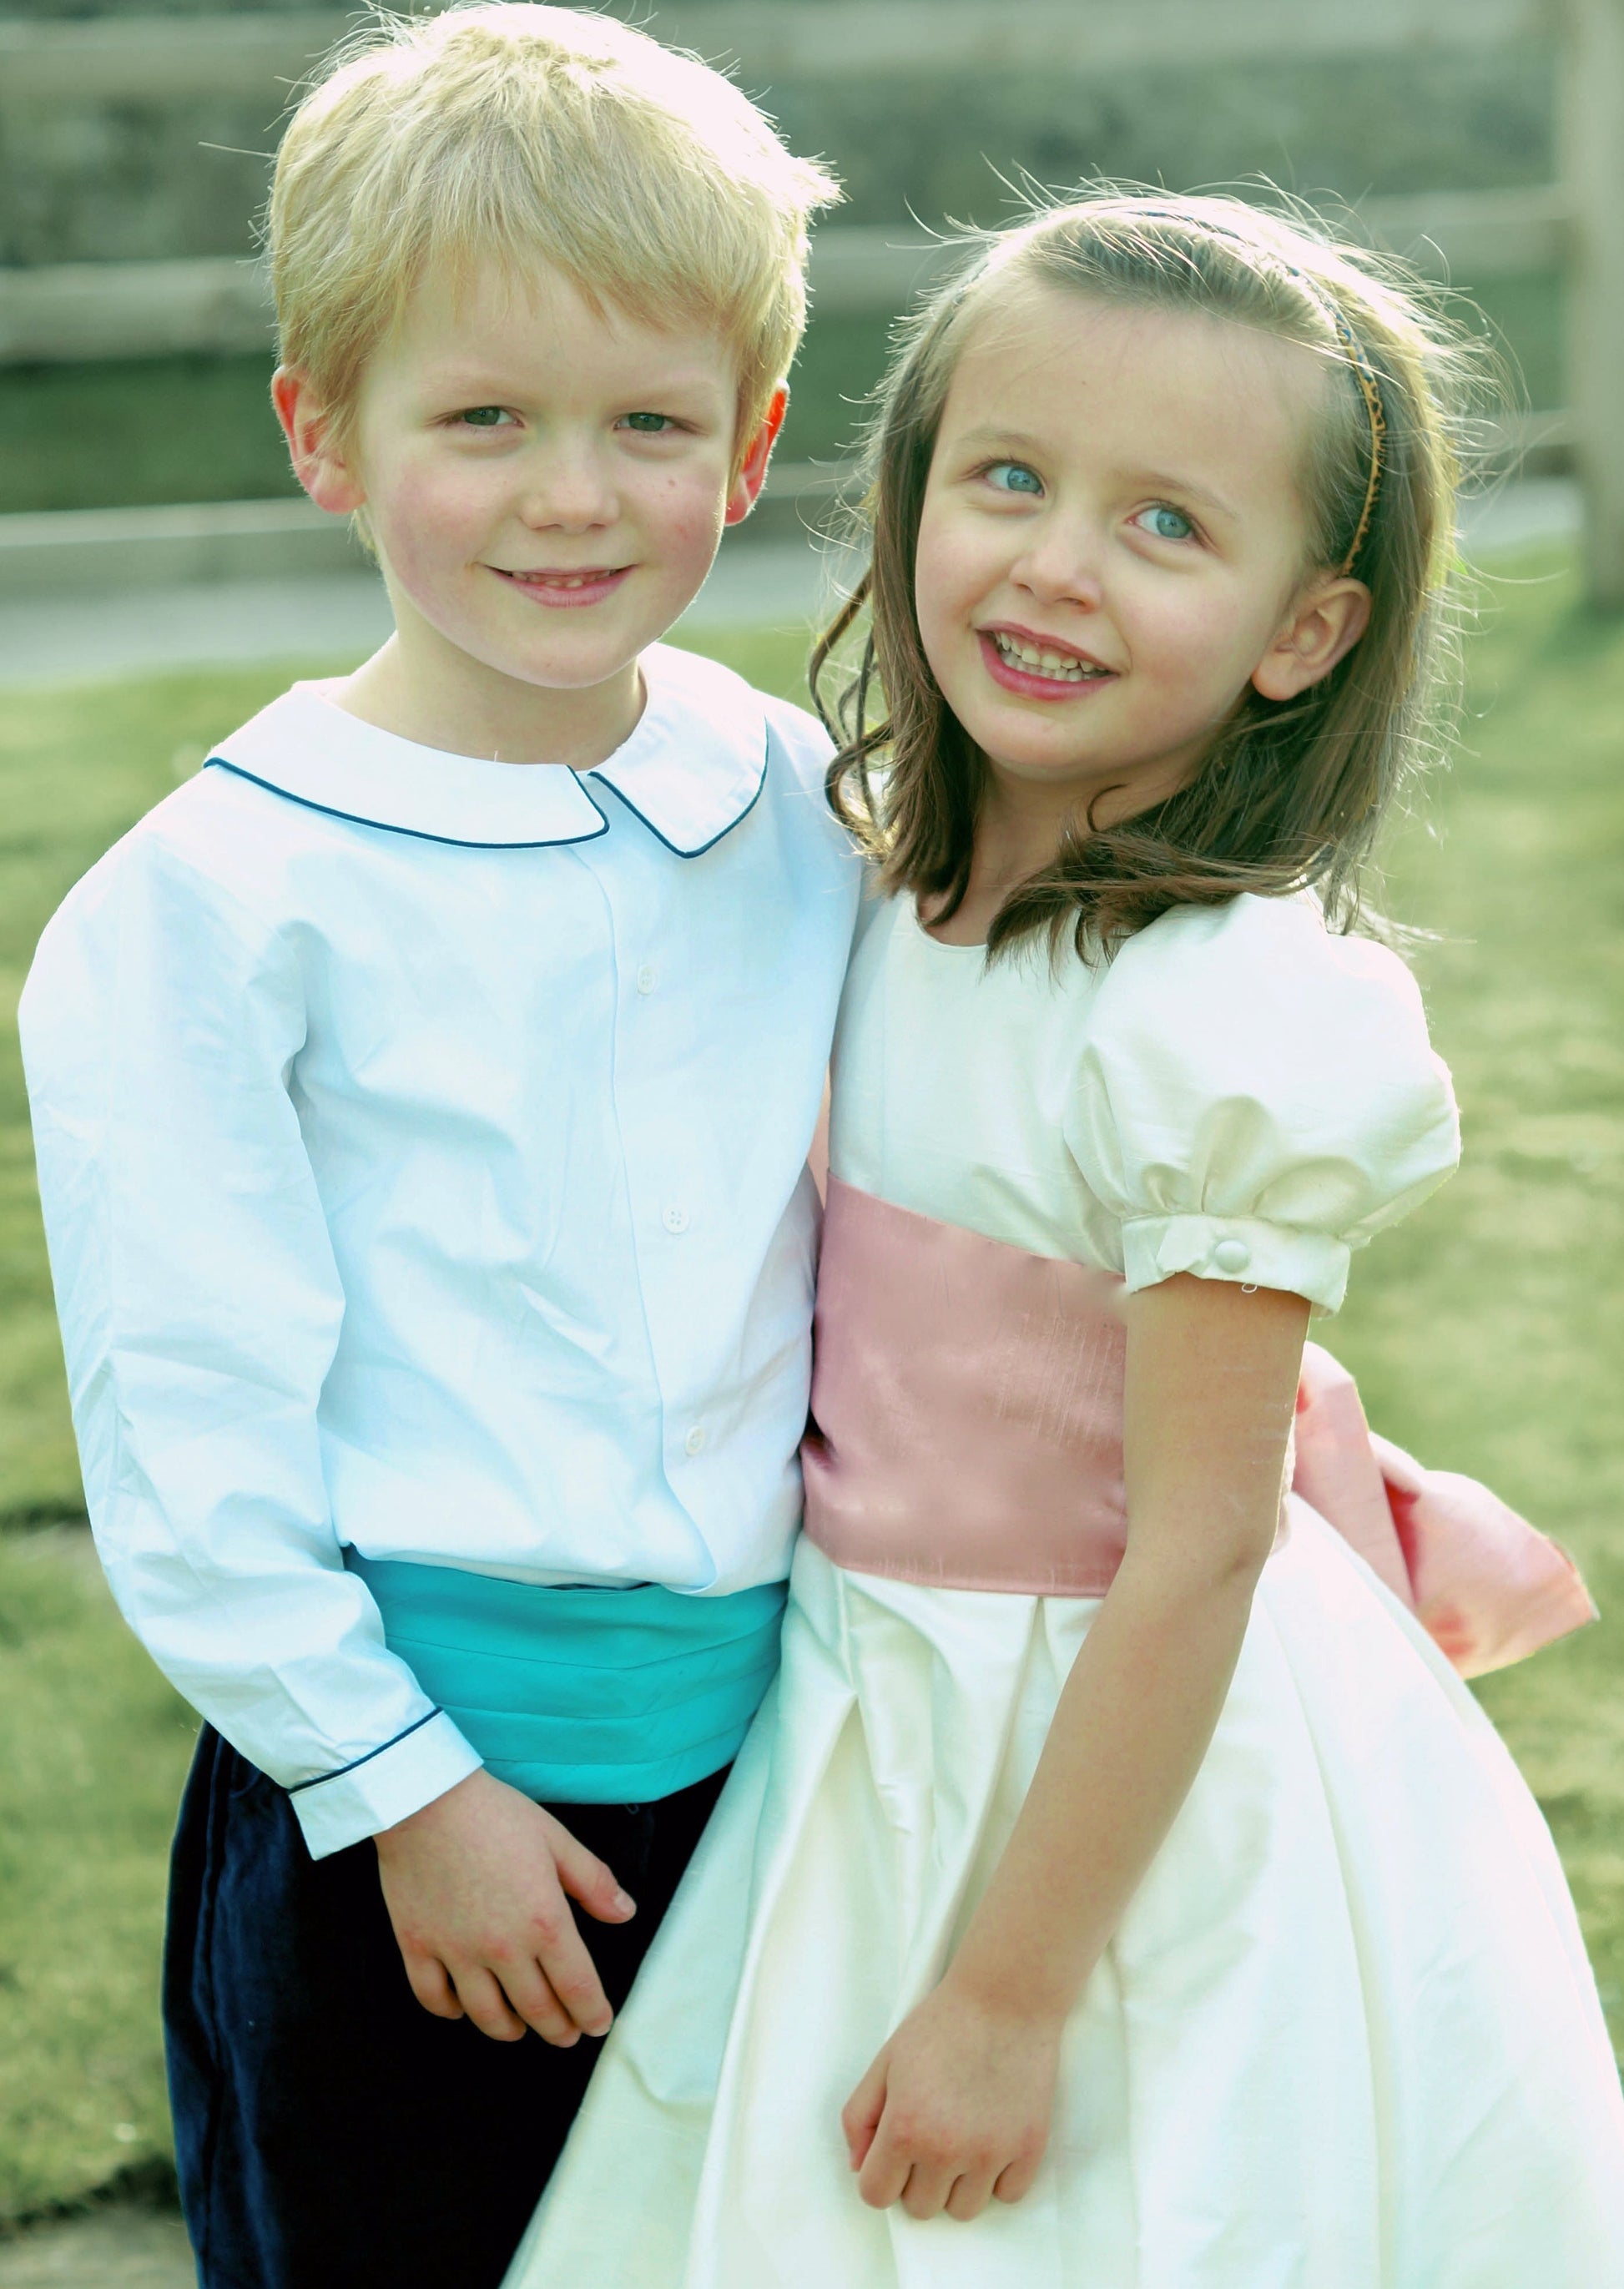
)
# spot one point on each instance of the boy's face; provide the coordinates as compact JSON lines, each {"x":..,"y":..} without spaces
{"x":546,"y":486}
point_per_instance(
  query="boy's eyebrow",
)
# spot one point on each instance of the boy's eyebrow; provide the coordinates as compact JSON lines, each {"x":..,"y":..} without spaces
{"x":474,"y":385}
{"x":1017,"y":440}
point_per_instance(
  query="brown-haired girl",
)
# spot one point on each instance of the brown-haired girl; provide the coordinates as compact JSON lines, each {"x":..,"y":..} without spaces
{"x":1121,"y":1853}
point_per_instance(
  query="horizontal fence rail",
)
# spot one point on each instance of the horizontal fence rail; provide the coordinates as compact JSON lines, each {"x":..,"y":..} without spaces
{"x":75,"y":311}
{"x":87,"y":311}
{"x":157,"y":59}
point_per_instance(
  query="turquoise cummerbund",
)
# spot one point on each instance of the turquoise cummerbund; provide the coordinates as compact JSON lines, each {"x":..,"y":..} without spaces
{"x":582,"y":1695}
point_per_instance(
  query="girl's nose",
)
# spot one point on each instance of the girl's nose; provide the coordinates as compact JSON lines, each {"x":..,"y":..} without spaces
{"x":1063,"y":564}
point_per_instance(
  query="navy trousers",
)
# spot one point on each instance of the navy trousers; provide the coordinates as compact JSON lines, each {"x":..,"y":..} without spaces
{"x":329,"y":2133}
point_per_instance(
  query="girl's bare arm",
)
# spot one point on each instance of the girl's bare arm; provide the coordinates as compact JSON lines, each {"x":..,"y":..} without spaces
{"x":956,"y":2107}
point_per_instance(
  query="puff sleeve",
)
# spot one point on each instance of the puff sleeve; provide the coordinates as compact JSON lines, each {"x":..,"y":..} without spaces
{"x":1257,"y":1097}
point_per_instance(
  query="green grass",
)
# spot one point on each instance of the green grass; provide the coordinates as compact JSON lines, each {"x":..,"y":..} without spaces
{"x":1487,"y":1333}
{"x":92,"y":1749}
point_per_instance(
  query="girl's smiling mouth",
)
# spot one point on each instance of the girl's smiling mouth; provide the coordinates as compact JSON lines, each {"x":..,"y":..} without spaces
{"x":589,"y":586}
{"x":1039,"y":668}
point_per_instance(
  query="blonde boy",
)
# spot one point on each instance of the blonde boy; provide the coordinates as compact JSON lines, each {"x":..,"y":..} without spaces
{"x":422,"y":1097}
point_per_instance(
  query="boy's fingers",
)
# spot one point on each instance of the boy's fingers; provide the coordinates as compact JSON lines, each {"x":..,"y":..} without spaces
{"x":530,"y":1993}
{"x":588,"y":1881}
{"x":426,"y":1977}
{"x":573,"y":1977}
{"x":486,"y":2005}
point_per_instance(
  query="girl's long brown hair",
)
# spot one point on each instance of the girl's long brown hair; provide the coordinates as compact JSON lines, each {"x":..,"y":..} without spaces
{"x":1290,"y":793}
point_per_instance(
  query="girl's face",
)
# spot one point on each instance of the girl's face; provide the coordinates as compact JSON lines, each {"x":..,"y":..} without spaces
{"x":1114,"y":543}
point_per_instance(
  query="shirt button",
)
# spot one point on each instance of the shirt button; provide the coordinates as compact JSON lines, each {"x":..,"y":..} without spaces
{"x":675,"y":1218}
{"x":694,"y":1444}
{"x":648,"y":978}
{"x":1231,"y":1255}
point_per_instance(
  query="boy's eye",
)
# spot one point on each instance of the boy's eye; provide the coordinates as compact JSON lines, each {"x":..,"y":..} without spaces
{"x":648,"y":424}
{"x":482,"y":417}
{"x":1012,"y":477}
{"x":1164,"y":524}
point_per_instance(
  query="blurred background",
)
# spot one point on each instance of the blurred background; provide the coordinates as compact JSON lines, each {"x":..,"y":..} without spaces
{"x":160,"y":577}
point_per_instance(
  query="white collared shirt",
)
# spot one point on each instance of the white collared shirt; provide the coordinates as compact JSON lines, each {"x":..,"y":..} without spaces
{"x":422,"y":1145}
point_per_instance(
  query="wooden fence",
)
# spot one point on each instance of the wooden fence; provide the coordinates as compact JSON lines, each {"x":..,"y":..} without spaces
{"x":1576,"y":227}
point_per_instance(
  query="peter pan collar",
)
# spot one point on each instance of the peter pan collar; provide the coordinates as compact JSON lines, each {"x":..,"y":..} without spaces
{"x":690,"y":770}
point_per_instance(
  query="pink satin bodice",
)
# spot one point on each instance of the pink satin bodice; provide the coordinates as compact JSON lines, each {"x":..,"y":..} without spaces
{"x":967,"y":1433}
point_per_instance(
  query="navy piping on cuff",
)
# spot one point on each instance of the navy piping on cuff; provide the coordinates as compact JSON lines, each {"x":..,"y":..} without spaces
{"x":338,"y":1774}
{"x":416,"y":833}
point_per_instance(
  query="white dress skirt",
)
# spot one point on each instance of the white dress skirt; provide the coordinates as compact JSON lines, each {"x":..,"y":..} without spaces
{"x":1345,"y":2036}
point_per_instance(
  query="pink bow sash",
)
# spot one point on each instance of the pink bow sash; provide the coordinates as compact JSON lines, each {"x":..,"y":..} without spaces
{"x":1484,"y":1584}
{"x":967,"y":1433}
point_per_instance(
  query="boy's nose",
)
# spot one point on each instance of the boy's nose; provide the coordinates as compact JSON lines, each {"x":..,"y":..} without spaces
{"x":568,"y":493}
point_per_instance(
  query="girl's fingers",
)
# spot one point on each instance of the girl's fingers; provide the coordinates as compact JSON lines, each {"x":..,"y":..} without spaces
{"x":970,"y":2194}
{"x":486,"y":2005}
{"x":860,"y":2114}
{"x":928,"y":2186}
{"x":884,"y":2175}
{"x":1016,"y":2180}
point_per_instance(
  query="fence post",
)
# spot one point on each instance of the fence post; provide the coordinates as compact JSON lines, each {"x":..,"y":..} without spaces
{"x":1593,"y":168}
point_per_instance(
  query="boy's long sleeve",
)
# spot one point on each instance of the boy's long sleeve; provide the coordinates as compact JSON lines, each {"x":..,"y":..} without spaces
{"x":201,"y":1307}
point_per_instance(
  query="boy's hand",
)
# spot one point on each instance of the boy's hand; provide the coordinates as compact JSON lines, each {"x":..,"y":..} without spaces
{"x":955,"y":2110}
{"x":476,"y":1885}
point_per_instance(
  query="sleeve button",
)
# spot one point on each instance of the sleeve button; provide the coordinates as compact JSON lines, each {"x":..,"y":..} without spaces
{"x":694,"y":1444}
{"x":1231,"y":1255}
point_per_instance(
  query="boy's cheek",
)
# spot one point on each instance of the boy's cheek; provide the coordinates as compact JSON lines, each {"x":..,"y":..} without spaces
{"x":424,"y":523}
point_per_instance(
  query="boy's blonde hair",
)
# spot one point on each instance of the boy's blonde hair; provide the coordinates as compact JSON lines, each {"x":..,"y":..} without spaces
{"x":534,"y":136}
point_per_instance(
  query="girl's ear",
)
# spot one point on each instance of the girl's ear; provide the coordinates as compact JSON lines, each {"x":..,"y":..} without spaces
{"x":323,"y":471}
{"x":1326,"y":621}
{"x":745,"y":488}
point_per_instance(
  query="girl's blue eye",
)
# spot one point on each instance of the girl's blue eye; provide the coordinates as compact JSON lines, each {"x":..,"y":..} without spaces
{"x":482,"y":416}
{"x":1014,"y":477}
{"x":648,"y":424}
{"x":1165,"y":523}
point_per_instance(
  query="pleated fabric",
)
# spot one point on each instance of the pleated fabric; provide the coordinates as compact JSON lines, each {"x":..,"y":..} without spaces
{"x":1346,"y":2036}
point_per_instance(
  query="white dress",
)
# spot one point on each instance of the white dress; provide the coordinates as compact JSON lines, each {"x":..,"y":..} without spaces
{"x":1346,"y":2036}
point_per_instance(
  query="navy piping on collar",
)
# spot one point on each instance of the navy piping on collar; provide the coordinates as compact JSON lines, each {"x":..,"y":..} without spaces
{"x":699,"y":849}
{"x":416,"y":833}
{"x":355,"y":1763}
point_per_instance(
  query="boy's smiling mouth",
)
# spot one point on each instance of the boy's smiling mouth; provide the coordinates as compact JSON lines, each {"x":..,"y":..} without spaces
{"x":588,"y":586}
{"x":1041,"y":667}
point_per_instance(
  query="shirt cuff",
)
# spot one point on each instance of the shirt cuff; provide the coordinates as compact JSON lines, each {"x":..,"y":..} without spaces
{"x":346,"y":1806}
{"x":1243,"y":1249}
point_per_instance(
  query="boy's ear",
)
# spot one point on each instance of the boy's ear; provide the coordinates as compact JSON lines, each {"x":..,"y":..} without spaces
{"x":323,"y":473}
{"x":747,"y":486}
{"x":1326,"y":621}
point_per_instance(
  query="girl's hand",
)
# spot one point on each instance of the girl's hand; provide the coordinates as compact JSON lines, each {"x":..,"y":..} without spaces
{"x":956,"y":2108}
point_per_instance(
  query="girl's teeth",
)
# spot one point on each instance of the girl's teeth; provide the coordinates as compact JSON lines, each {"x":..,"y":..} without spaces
{"x":1038,"y":659}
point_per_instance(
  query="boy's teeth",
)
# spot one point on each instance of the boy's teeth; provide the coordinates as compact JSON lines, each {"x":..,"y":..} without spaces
{"x":1039,"y":660}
